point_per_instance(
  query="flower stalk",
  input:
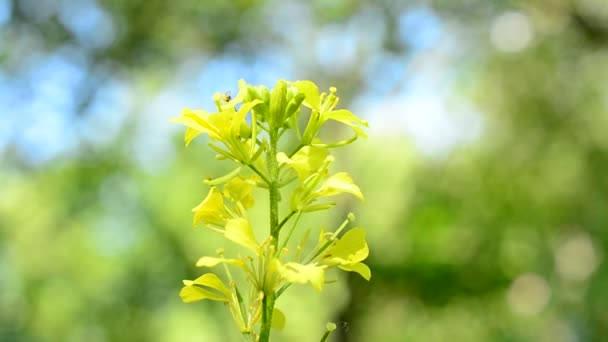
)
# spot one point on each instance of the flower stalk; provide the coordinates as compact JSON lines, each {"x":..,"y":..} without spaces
{"x":274,"y":197}
{"x":245,"y":128}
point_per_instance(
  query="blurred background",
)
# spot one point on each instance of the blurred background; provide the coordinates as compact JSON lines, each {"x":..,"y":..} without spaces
{"x":485,"y":170}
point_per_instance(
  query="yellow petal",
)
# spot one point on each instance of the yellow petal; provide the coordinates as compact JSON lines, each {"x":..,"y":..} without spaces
{"x":348,"y":118}
{"x":239,"y":231}
{"x":298,"y":273}
{"x":196,"y":121}
{"x":239,"y":117}
{"x":350,"y":249}
{"x":240,"y":189}
{"x":191,"y":294}
{"x":191,"y":133}
{"x":339,"y":183}
{"x":360,"y":268}
{"x":306,"y":161}
{"x":207,"y":261}
{"x":311,"y":91}
{"x":209,"y":280}
{"x":211,"y":210}
{"x":278,"y":319}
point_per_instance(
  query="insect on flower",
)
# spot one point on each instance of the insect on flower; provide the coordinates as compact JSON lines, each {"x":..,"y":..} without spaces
{"x":227,"y":97}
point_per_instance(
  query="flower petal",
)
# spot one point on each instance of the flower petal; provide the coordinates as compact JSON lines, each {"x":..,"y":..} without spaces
{"x":278,"y":319}
{"x":350,"y":249}
{"x":198,"y":121}
{"x":191,"y":294}
{"x":239,"y":231}
{"x":210,"y":280}
{"x":239,"y":117}
{"x":240,"y":189}
{"x":360,"y":268}
{"x":306,"y":161}
{"x":191,"y":133}
{"x":211,"y":210}
{"x":208,"y":286}
{"x":312,"y":100}
{"x":298,"y":273}
{"x":348,"y":118}
{"x":207,"y":261}
{"x":339,"y":183}
{"x":222,"y":122}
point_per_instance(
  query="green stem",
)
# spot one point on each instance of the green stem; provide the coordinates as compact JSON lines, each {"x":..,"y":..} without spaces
{"x":292,"y":228}
{"x":273,"y":186}
{"x":273,"y":189}
{"x":330,"y":327}
{"x":255,"y":169}
{"x":268,"y":308}
{"x":325,"y":336}
{"x":298,"y":148}
{"x":285,"y":220}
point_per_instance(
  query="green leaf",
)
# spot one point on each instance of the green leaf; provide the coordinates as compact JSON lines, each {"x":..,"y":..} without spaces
{"x":312,"y":100}
{"x":239,"y":231}
{"x":278,"y":319}
{"x":294,"y":272}
{"x":339,"y":183}
{"x":360,"y":268}
{"x":350,"y":249}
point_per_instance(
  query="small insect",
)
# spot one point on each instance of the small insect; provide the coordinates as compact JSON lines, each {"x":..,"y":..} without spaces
{"x":344,"y":325}
{"x":227,"y":97}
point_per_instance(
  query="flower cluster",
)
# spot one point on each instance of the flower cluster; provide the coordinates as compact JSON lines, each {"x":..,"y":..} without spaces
{"x":246,"y":129}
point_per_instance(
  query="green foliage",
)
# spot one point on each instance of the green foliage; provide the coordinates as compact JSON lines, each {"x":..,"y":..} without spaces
{"x":92,"y":240}
{"x":247,"y":130}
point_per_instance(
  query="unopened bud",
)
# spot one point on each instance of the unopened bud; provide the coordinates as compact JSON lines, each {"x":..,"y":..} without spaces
{"x":294,"y":104}
{"x":278,"y":103}
{"x":351,"y":217}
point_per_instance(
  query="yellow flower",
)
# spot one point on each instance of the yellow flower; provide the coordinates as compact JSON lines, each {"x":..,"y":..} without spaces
{"x":322,"y":106}
{"x":211,"y":210}
{"x":348,"y":252}
{"x":228,"y":127}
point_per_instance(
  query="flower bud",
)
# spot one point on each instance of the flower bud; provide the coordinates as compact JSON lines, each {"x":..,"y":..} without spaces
{"x":259,"y":93}
{"x":263,"y":93}
{"x":294,"y":104}
{"x":278,"y":103}
{"x":351,"y":217}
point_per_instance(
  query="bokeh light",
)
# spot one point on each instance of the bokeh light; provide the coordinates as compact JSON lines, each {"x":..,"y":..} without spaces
{"x":484,"y":172}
